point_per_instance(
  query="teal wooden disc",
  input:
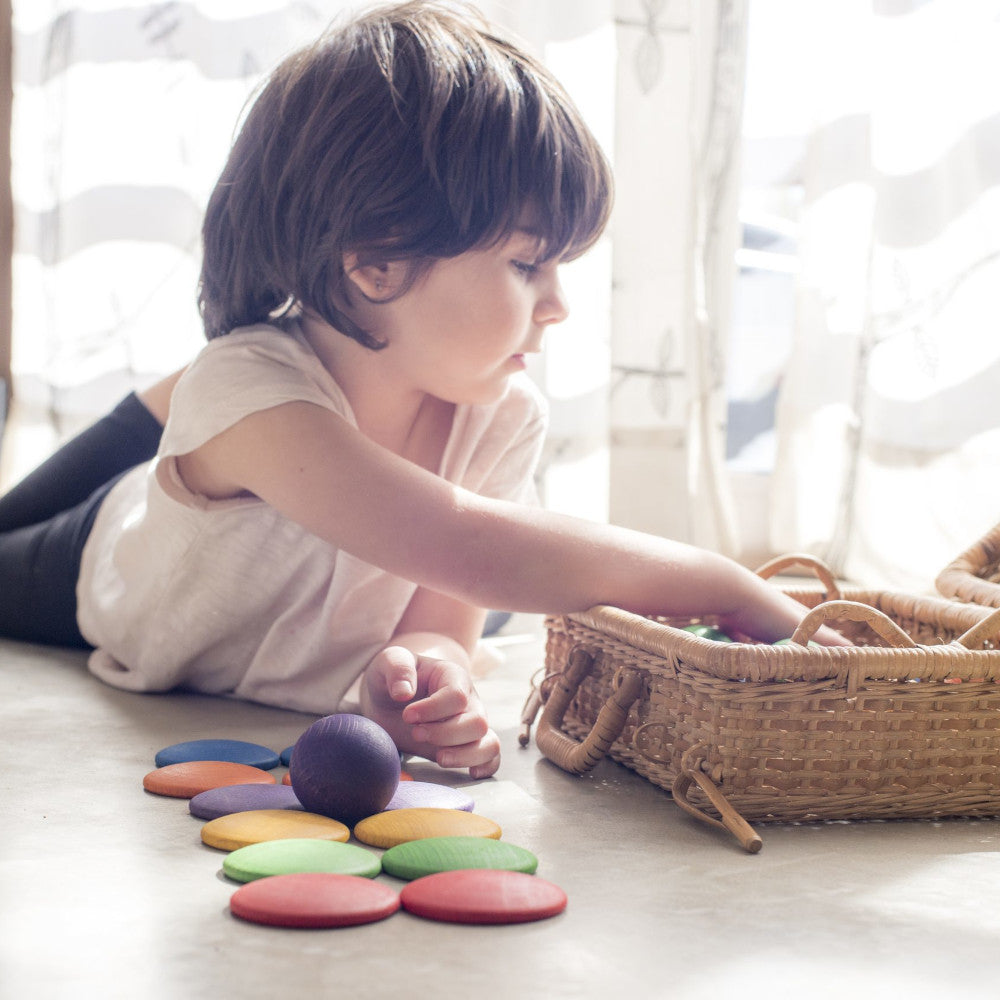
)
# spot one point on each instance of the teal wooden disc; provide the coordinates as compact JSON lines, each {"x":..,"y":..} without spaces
{"x":417,"y":858}
{"x":708,"y":632}
{"x":286,"y":857}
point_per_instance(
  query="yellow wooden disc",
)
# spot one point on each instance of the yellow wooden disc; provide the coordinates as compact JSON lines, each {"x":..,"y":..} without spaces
{"x":244,"y":828}
{"x":398,"y":826}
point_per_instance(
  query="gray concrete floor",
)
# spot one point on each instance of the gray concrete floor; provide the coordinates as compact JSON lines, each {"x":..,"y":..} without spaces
{"x":106,"y":890}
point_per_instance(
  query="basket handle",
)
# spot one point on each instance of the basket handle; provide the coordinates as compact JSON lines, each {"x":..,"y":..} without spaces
{"x":731,"y":821}
{"x":532,"y":706}
{"x":804,"y":559}
{"x":853,"y":611}
{"x":580,"y":757}
{"x":980,"y":632}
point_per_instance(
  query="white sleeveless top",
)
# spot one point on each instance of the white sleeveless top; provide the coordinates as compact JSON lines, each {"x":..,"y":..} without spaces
{"x":178,"y":591}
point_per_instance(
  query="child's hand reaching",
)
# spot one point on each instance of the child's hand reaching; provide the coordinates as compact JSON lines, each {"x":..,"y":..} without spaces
{"x":430,"y":708}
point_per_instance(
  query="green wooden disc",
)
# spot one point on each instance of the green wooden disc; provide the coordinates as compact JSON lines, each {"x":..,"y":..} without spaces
{"x":708,"y":632}
{"x":417,"y":858}
{"x":285,"y":857}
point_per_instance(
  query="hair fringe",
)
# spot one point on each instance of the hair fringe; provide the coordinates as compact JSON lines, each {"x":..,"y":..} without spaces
{"x":413,"y":133}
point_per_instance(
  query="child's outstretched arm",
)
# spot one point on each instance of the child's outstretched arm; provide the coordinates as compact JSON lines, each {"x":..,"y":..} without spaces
{"x":324,"y":474}
{"x":419,"y":688}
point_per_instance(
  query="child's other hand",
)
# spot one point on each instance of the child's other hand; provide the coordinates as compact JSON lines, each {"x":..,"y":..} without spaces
{"x":430,"y":708}
{"x":772,"y":616}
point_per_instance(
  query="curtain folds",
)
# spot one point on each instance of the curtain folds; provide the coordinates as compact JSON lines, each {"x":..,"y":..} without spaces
{"x":123,"y":115}
{"x":888,"y":421}
{"x":678,"y":115}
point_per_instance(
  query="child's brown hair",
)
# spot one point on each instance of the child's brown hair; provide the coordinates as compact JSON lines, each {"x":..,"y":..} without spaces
{"x":412,"y":133}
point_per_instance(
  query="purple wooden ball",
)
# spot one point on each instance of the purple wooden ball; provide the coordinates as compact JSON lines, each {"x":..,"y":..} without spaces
{"x":346,"y":767}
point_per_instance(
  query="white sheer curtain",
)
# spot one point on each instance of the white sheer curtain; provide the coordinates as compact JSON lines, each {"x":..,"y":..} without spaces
{"x":889,"y":415}
{"x":124,"y":111}
{"x":678,"y":114}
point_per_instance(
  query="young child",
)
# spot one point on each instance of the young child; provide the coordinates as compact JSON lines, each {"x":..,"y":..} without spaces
{"x":343,"y":478}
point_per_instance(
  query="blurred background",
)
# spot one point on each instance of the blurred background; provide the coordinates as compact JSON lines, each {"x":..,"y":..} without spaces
{"x":787,"y":341}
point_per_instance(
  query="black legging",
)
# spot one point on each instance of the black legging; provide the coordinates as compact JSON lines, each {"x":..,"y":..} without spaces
{"x":46,"y":518}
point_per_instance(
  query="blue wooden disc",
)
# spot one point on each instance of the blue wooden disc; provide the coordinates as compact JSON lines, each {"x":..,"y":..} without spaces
{"x":235,"y":751}
{"x":413,"y":794}
{"x":286,"y":755}
{"x":218,"y":802}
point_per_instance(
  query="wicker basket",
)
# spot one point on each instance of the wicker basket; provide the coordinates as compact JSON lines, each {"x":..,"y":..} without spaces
{"x":974,"y":576}
{"x":904,"y":724}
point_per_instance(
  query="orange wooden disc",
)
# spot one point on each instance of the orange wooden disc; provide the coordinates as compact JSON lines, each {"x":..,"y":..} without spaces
{"x":236,"y":830}
{"x":287,"y":779}
{"x":185,"y":780}
{"x":403,"y":776}
{"x":387,"y":829}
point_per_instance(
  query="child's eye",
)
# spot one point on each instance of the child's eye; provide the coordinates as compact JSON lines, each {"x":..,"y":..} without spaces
{"x":525,"y":268}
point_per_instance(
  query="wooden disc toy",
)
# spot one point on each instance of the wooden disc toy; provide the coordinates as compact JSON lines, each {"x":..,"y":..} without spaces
{"x":483,"y":896}
{"x":708,"y":632}
{"x":387,"y":829}
{"x":314,"y":899}
{"x":237,"y":751}
{"x":417,"y":858}
{"x":240,"y":829}
{"x":218,"y":802}
{"x":184,"y":781}
{"x":415,"y":794}
{"x":284,"y":857}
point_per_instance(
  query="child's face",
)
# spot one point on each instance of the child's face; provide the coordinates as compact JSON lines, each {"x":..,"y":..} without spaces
{"x":466,"y":325}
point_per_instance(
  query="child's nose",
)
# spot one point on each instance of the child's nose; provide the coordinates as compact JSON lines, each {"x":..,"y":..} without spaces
{"x":552,"y":306}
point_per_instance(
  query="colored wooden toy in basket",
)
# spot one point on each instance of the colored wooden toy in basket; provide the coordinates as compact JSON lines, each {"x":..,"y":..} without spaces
{"x":974,"y":576}
{"x":906,"y":723}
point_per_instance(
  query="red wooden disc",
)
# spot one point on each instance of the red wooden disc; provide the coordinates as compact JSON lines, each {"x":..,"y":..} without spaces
{"x":314,"y":899}
{"x":185,"y":780}
{"x":483,"y":896}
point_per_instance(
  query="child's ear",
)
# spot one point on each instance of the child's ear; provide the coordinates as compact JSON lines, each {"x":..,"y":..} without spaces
{"x":377,"y":282}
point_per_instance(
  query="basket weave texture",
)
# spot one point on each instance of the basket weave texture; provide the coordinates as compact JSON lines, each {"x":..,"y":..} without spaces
{"x":974,"y":576}
{"x":793,"y":732}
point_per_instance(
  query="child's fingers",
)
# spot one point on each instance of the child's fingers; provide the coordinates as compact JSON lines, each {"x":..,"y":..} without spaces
{"x":456,"y":731}
{"x":398,"y":669}
{"x":450,"y":722}
{"x":449,"y":693}
{"x":436,"y":707}
{"x":481,"y":757}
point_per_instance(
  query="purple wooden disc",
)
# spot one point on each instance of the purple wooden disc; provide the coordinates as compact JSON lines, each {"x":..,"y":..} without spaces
{"x":218,"y":802}
{"x":425,"y":794}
